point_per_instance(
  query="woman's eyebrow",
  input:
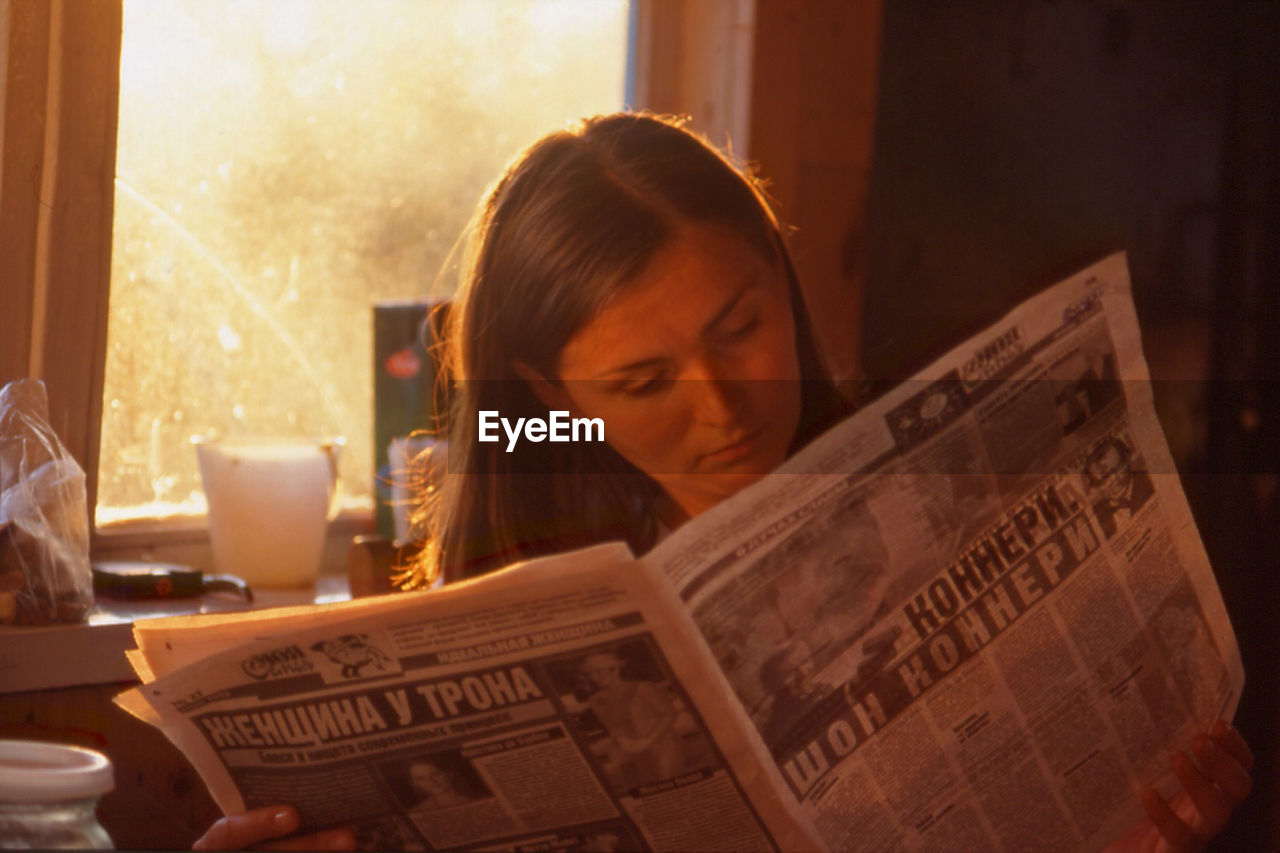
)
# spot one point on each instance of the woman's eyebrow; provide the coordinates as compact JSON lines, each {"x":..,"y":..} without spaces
{"x":728,"y":307}
{"x":632,"y":366}
{"x":724,"y":311}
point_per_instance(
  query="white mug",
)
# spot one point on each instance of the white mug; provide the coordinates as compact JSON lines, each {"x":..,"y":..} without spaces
{"x":270,"y":503}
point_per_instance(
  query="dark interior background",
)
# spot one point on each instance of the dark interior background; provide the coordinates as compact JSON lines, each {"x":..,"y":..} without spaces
{"x":1019,"y":141}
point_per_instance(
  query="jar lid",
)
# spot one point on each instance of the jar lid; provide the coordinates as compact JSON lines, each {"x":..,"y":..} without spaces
{"x":36,"y":772}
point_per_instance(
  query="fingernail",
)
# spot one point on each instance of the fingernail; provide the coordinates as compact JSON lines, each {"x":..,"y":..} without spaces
{"x":1219,"y":728}
{"x":281,"y":817}
{"x":338,"y":840}
{"x":1200,"y":743}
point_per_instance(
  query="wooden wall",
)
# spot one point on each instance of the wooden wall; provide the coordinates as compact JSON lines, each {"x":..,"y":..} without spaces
{"x":789,"y":85}
{"x":813,"y":110}
{"x":694,"y":58}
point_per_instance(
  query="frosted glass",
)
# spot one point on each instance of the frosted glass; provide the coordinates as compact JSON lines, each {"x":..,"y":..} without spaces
{"x":281,"y":164}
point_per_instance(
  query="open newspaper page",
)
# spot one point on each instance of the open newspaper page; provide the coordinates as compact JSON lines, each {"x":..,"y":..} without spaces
{"x":978,"y":614}
{"x":567,"y":704}
{"x":166,"y":645}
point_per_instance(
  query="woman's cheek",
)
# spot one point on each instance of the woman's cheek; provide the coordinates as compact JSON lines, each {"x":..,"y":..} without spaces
{"x":775,"y":370}
{"x":648,"y":436}
{"x":772,"y":353}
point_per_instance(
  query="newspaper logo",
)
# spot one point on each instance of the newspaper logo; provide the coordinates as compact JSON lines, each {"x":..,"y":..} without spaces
{"x":995,"y":355}
{"x":290,"y":660}
{"x":928,"y":412}
{"x":356,"y":656}
{"x":1087,"y":305}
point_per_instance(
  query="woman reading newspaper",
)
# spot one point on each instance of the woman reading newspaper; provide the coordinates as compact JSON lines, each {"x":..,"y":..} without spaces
{"x":625,"y":271}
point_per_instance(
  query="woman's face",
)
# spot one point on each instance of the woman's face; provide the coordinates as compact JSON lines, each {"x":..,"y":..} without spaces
{"x":693,"y":368}
{"x":602,"y":670}
{"x":429,"y":779}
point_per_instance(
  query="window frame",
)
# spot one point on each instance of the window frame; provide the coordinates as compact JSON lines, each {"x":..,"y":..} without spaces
{"x":58,"y":126}
{"x":59,"y":97}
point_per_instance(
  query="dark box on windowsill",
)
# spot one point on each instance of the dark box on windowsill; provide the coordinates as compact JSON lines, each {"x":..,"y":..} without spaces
{"x":408,"y":399}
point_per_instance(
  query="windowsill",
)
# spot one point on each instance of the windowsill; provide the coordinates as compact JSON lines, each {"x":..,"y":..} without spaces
{"x":185,"y":540}
{"x":92,"y":652}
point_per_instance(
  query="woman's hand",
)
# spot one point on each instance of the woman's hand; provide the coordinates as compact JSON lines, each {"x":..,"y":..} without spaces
{"x":252,"y":828}
{"x":1213,"y":784}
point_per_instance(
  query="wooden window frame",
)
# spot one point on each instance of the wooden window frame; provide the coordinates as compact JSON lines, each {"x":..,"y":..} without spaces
{"x":58,"y":104}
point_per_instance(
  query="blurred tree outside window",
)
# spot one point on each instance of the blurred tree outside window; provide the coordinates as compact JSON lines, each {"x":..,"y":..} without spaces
{"x":281,"y":165}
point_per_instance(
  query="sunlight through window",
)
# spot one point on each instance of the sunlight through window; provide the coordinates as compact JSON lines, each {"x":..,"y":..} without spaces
{"x":281,"y":164}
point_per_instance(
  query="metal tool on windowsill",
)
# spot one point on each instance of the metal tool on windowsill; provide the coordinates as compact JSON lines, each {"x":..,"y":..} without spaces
{"x":132,"y":580}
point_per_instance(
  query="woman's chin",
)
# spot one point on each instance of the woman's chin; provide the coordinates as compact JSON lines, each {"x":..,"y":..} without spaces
{"x":699,"y":492}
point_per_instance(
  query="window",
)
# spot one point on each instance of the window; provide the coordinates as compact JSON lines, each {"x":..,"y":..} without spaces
{"x":58,"y":136}
{"x":280,"y":165}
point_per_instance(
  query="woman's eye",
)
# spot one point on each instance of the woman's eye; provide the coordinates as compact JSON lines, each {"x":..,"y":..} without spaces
{"x":644,"y":388}
{"x":742,"y":330}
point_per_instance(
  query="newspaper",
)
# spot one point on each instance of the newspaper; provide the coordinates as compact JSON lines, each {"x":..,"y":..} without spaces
{"x":976,"y":615}
{"x":558,"y":707}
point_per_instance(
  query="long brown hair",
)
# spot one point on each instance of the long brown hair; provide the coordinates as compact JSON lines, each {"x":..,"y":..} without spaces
{"x":574,"y":218}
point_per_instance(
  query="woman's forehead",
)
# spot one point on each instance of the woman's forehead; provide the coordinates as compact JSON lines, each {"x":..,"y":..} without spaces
{"x":686,"y":287}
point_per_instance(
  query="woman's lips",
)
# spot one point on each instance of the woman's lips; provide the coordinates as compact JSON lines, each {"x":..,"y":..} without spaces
{"x":735,"y":452}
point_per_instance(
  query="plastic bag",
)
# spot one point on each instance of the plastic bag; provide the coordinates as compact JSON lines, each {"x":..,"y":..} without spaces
{"x":44,"y":526}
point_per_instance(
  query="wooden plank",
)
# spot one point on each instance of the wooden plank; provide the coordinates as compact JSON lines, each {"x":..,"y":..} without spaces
{"x":841,"y":75}
{"x":813,"y":115}
{"x":693,"y":58}
{"x":714,"y":69}
{"x":830,"y":259}
{"x":77,"y":247}
{"x":777,"y":78}
{"x":657,"y":54}
{"x":159,"y":801}
{"x":24,"y":65}
{"x":837,"y":133}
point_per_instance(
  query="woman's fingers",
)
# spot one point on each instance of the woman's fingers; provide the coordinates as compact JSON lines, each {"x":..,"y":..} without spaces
{"x":1212,"y":786}
{"x":1223,"y":768}
{"x":1225,"y":736}
{"x":256,"y":828}
{"x":330,"y":839}
{"x":1209,"y":800}
{"x":1176,"y":834}
{"x":237,"y":831}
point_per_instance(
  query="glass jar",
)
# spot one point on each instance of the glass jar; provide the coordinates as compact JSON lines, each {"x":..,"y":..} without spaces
{"x":47,"y":796}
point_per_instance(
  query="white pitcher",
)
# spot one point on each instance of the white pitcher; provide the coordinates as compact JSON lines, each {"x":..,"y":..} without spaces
{"x":270,"y":503}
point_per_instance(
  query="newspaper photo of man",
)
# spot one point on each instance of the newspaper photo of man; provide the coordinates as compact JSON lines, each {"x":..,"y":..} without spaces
{"x":1089,"y":382}
{"x":823,"y":587}
{"x":1120,"y":488}
{"x":788,"y":677}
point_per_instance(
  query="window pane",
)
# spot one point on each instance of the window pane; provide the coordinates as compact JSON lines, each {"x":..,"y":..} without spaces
{"x":280,"y":165}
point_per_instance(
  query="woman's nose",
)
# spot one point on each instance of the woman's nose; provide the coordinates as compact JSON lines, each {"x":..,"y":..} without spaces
{"x":717,"y":399}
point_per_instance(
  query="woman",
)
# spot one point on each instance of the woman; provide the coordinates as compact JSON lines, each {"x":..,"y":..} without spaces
{"x":436,"y":787}
{"x":626,"y":271}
